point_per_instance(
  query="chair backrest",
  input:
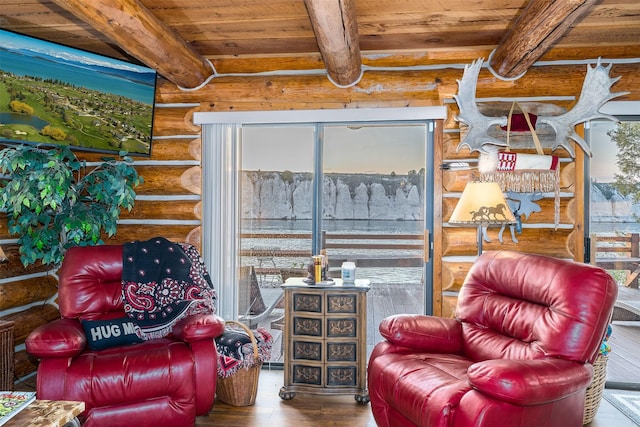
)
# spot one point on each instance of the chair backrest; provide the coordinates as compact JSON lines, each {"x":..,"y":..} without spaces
{"x":524,"y":306}
{"x":90,"y":282}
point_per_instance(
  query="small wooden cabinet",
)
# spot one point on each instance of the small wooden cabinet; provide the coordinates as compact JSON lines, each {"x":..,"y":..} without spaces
{"x":325,"y":348}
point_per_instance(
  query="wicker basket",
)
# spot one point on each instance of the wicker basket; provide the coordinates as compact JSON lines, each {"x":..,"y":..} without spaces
{"x":595,"y":389}
{"x":240,"y":389}
{"x":7,"y":351}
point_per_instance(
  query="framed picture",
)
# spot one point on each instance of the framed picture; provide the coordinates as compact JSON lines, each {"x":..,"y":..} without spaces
{"x":51,"y":94}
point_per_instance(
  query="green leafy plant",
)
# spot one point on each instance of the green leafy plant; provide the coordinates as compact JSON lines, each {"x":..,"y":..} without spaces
{"x":54,"y":201}
{"x":627,"y":137}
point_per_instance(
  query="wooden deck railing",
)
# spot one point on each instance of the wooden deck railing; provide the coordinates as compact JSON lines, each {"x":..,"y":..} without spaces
{"x":366,"y":250}
{"x":374,"y":250}
{"x":620,"y":252}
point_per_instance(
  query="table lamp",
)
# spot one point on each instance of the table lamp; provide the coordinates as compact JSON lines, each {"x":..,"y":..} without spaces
{"x":482,"y":204}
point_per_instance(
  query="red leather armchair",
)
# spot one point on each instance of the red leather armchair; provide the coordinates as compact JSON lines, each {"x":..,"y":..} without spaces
{"x":161,"y":382}
{"x":517,"y":354}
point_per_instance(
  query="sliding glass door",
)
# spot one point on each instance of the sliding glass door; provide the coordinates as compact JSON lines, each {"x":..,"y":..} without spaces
{"x":613,"y":216}
{"x":352,"y":192}
{"x":373,"y":205}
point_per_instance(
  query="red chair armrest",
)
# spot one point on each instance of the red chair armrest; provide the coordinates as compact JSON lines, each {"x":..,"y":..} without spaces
{"x":513,"y":380}
{"x":199,"y":327}
{"x":423,"y":333}
{"x":59,"y":338}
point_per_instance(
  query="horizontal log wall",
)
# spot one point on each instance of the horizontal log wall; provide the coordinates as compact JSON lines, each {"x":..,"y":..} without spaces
{"x":169,"y":201}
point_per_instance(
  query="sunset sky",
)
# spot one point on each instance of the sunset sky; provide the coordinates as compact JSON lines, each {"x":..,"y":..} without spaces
{"x":366,"y":149}
{"x":603,"y":161}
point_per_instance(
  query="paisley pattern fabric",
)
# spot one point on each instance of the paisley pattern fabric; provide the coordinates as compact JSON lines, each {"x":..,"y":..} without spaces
{"x":163,"y":282}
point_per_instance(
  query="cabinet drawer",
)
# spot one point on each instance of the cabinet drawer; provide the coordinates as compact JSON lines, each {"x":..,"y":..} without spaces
{"x":342,"y":352}
{"x":342,"y":303}
{"x":306,"y":374}
{"x":311,"y":303}
{"x":309,"y":326}
{"x":342,"y":327}
{"x":307,"y":350}
{"x":342,"y":376}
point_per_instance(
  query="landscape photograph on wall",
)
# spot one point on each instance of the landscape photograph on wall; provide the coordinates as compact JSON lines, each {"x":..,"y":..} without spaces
{"x":51,"y":95}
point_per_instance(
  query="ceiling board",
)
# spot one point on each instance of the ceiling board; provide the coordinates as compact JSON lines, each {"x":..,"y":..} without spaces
{"x":442,"y":30}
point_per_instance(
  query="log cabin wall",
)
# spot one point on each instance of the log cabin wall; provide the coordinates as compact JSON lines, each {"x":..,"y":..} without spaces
{"x":168,"y":203}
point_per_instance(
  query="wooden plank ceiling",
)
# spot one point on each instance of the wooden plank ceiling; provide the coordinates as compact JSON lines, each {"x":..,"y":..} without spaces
{"x":179,"y":37}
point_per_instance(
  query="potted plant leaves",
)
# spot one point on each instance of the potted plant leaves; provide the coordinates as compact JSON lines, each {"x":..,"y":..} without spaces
{"x":54,"y":201}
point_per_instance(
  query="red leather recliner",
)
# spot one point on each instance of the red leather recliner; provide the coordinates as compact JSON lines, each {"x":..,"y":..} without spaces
{"x":517,"y":354}
{"x":161,"y":382}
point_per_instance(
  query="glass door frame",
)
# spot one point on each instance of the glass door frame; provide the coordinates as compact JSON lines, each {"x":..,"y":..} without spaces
{"x":623,"y":111}
{"x":221,"y":155}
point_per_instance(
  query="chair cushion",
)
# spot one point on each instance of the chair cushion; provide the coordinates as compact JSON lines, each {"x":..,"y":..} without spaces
{"x":90,"y":281}
{"x":151,"y":370}
{"x":103,"y":334}
{"x":525,"y":306}
{"x":424,"y":387}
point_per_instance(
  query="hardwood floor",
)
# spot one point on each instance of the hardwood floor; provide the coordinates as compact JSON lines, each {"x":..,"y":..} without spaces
{"x":328,"y":411}
{"x":624,"y":360}
{"x":301,"y":411}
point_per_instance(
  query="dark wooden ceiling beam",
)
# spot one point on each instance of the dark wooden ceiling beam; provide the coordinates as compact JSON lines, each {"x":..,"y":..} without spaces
{"x":136,"y":30}
{"x":336,"y":28}
{"x":541,"y":24}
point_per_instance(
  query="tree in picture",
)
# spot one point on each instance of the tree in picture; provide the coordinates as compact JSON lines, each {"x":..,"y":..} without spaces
{"x":54,"y":201}
{"x":627,"y":137}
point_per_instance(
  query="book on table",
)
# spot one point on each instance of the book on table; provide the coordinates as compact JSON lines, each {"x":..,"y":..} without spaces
{"x":12,"y":402}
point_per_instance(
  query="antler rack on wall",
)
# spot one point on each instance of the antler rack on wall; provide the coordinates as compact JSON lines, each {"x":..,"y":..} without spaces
{"x":480,"y":133}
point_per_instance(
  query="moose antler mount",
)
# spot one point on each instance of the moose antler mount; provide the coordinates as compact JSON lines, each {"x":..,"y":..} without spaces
{"x":596,"y":91}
